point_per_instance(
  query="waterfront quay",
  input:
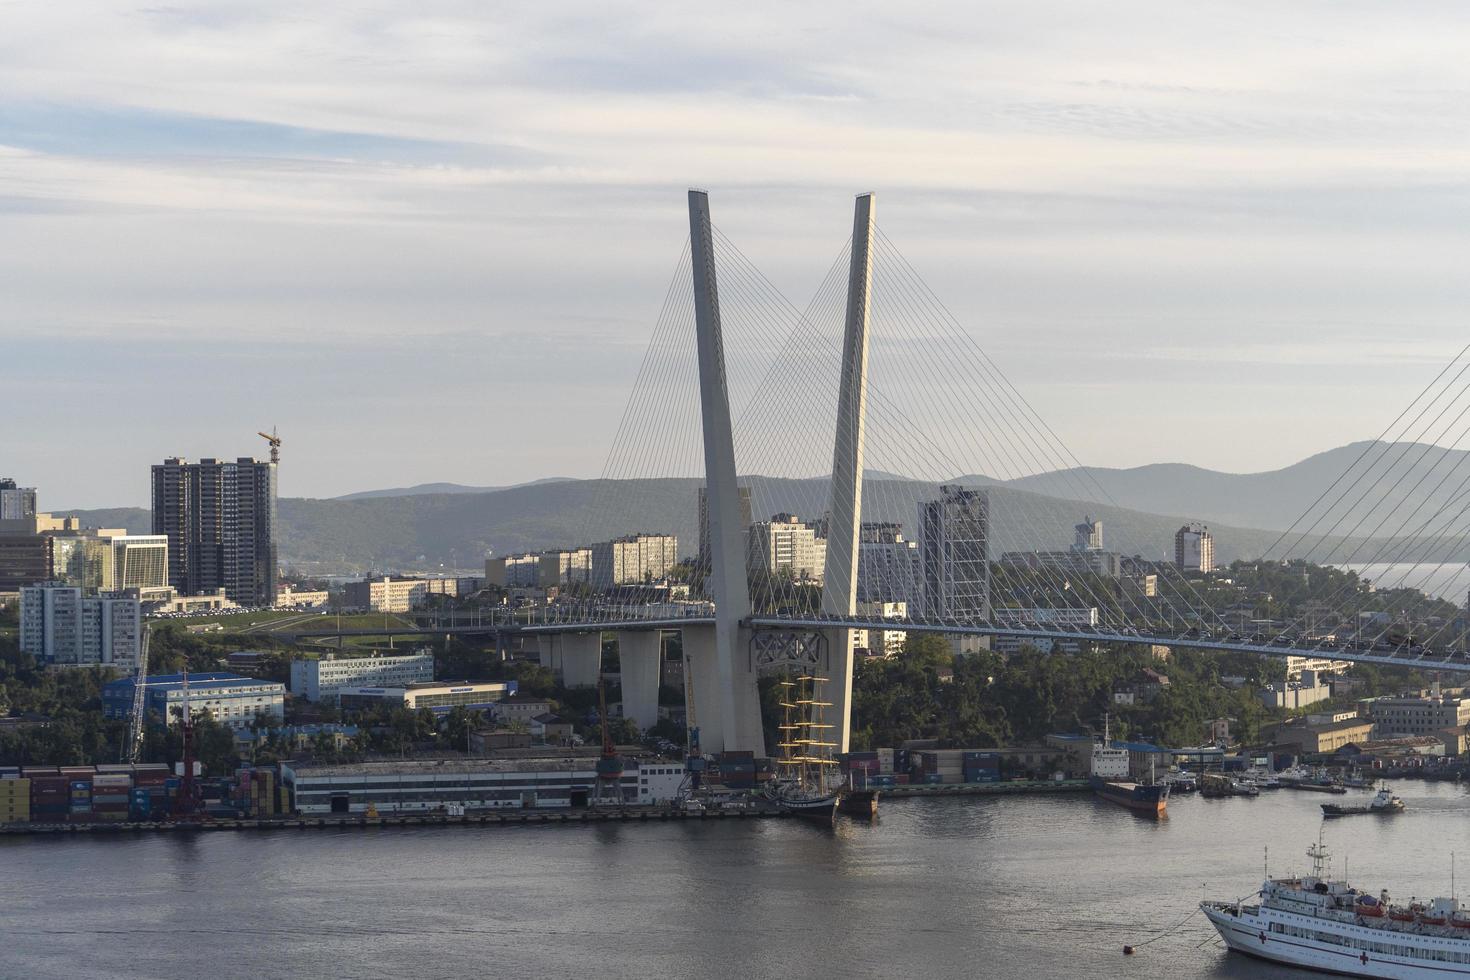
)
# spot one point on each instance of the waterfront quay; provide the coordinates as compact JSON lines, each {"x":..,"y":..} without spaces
{"x":499,"y":818}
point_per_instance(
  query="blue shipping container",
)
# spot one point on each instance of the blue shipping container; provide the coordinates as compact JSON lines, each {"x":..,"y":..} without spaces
{"x":933,"y":777}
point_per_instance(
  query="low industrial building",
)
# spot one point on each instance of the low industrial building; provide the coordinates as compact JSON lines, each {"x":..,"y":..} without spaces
{"x":440,"y":697}
{"x":1312,"y":739}
{"x":229,"y":699}
{"x":321,"y":680}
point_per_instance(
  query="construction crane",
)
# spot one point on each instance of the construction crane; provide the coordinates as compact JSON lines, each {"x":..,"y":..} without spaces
{"x":608,"y":789}
{"x":694,"y":762}
{"x":134,"y":743}
{"x":275,"y":442}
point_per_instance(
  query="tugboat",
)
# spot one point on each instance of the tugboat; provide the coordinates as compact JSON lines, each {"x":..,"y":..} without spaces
{"x":1384,"y":803}
{"x":1110,"y":780}
{"x":1325,"y":925}
{"x":806,"y":774}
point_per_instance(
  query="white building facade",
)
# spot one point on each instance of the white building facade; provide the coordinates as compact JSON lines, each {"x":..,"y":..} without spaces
{"x":62,"y":627}
{"x":322,"y":680}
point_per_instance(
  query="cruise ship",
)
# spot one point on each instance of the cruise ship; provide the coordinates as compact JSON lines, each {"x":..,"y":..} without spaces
{"x":1328,"y":926}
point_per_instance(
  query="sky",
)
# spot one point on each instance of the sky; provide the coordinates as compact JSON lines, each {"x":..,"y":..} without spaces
{"x":430,"y":241}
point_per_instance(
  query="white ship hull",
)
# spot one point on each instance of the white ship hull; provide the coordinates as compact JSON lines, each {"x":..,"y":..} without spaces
{"x":1332,"y":946}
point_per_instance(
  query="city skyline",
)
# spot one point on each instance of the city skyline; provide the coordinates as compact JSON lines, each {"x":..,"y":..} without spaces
{"x":1273,"y":230}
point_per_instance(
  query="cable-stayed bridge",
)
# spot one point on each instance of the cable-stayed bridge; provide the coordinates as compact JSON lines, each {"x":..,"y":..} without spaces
{"x":875,"y":376}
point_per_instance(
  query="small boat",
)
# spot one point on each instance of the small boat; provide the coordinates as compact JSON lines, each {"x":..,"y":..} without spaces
{"x":1384,"y":803}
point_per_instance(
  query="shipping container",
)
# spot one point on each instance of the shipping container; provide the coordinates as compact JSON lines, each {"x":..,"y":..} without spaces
{"x":933,"y":777}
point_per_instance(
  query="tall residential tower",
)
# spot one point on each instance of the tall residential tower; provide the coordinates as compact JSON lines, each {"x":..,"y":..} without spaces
{"x":220,"y":518}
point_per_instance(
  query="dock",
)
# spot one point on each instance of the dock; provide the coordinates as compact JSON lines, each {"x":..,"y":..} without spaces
{"x":358,"y":821}
{"x":1013,"y":787}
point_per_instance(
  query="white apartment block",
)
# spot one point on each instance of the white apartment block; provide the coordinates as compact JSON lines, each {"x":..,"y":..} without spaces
{"x":633,"y":560}
{"x":61,"y":627}
{"x":323,"y":680}
{"x":784,"y":547}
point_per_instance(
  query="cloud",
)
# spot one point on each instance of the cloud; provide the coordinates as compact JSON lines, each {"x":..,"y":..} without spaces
{"x":471,"y":212}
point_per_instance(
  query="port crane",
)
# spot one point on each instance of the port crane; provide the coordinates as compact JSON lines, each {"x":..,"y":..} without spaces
{"x":275,"y":442}
{"x":134,"y":744}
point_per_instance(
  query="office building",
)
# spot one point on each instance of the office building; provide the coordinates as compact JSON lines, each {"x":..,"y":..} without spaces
{"x":633,"y":559}
{"x":322,"y":680}
{"x":220,"y":520}
{"x":1425,"y":715}
{"x":62,"y":627}
{"x":784,"y":547}
{"x":513,"y":571}
{"x":890,"y":569}
{"x":108,"y":560}
{"x":229,"y":699}
{"x":954,"y":535}
{"x":25,"y":547}
{"x":1194,"y":549}
{"x":16,"y":503}
{"x":1089,"y":536}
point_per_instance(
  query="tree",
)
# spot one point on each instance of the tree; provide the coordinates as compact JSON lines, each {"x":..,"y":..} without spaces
{"x":928,"y":650}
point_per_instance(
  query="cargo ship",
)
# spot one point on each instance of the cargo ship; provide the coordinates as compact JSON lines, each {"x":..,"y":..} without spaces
{"x":1110,"y":781}
{"x":1330,"y":927}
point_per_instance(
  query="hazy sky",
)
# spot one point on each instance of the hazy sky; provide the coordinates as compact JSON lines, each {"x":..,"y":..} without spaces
{"x":429,"y":241}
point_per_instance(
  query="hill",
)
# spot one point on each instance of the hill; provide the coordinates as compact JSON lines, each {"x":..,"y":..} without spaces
{"x":394,"y":529}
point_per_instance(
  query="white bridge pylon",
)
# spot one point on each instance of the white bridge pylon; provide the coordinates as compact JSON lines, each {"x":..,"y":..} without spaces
{"x":727,"y":646}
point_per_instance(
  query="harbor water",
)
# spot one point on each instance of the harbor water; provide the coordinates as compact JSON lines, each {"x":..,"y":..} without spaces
{"x":1036,"y":886}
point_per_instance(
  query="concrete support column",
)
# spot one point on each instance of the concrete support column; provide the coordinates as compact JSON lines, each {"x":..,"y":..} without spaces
{"x":839,"y":588}
{"x":732,"y":679}
{"x":576,"y":656}
{"x":703,"y":701}
{"x":838,"y":688}
{"x":639,"y":653}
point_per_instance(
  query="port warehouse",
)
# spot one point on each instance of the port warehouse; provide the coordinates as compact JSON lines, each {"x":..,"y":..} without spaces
{"x":423,"y":786}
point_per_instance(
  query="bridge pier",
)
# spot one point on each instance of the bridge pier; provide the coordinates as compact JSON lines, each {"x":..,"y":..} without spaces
{"x":704,"y":656}
{"x":638,"y":652}
{"x":576,"y":656}
{"x":838,"y":688}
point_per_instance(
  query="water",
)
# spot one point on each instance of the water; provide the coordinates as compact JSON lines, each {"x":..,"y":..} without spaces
{"x":1449,"y":580}
{"x":1042,"y":886}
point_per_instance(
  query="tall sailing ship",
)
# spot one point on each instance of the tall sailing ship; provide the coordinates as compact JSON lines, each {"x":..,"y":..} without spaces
{"x":1327,"y":925}
{"x":807,"y":781}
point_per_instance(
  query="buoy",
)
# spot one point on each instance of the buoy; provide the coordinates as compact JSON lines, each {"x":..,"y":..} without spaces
{"x":1127,"y":950}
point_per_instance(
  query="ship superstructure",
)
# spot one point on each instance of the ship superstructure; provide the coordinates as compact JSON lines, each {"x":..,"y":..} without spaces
{"x":1322,"y":924}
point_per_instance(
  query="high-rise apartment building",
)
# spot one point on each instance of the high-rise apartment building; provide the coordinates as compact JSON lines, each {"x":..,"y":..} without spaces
{"x":784,"y":547}
{"x":1194,"y":549}
{"x":565,"y":566}
{"x":16,"y":502}
{"x":513,"y":571}
{"x":633,"y":559}
{"x":954,"y":541}
{"x":220,"y":520}
{"x":62,"y":627}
